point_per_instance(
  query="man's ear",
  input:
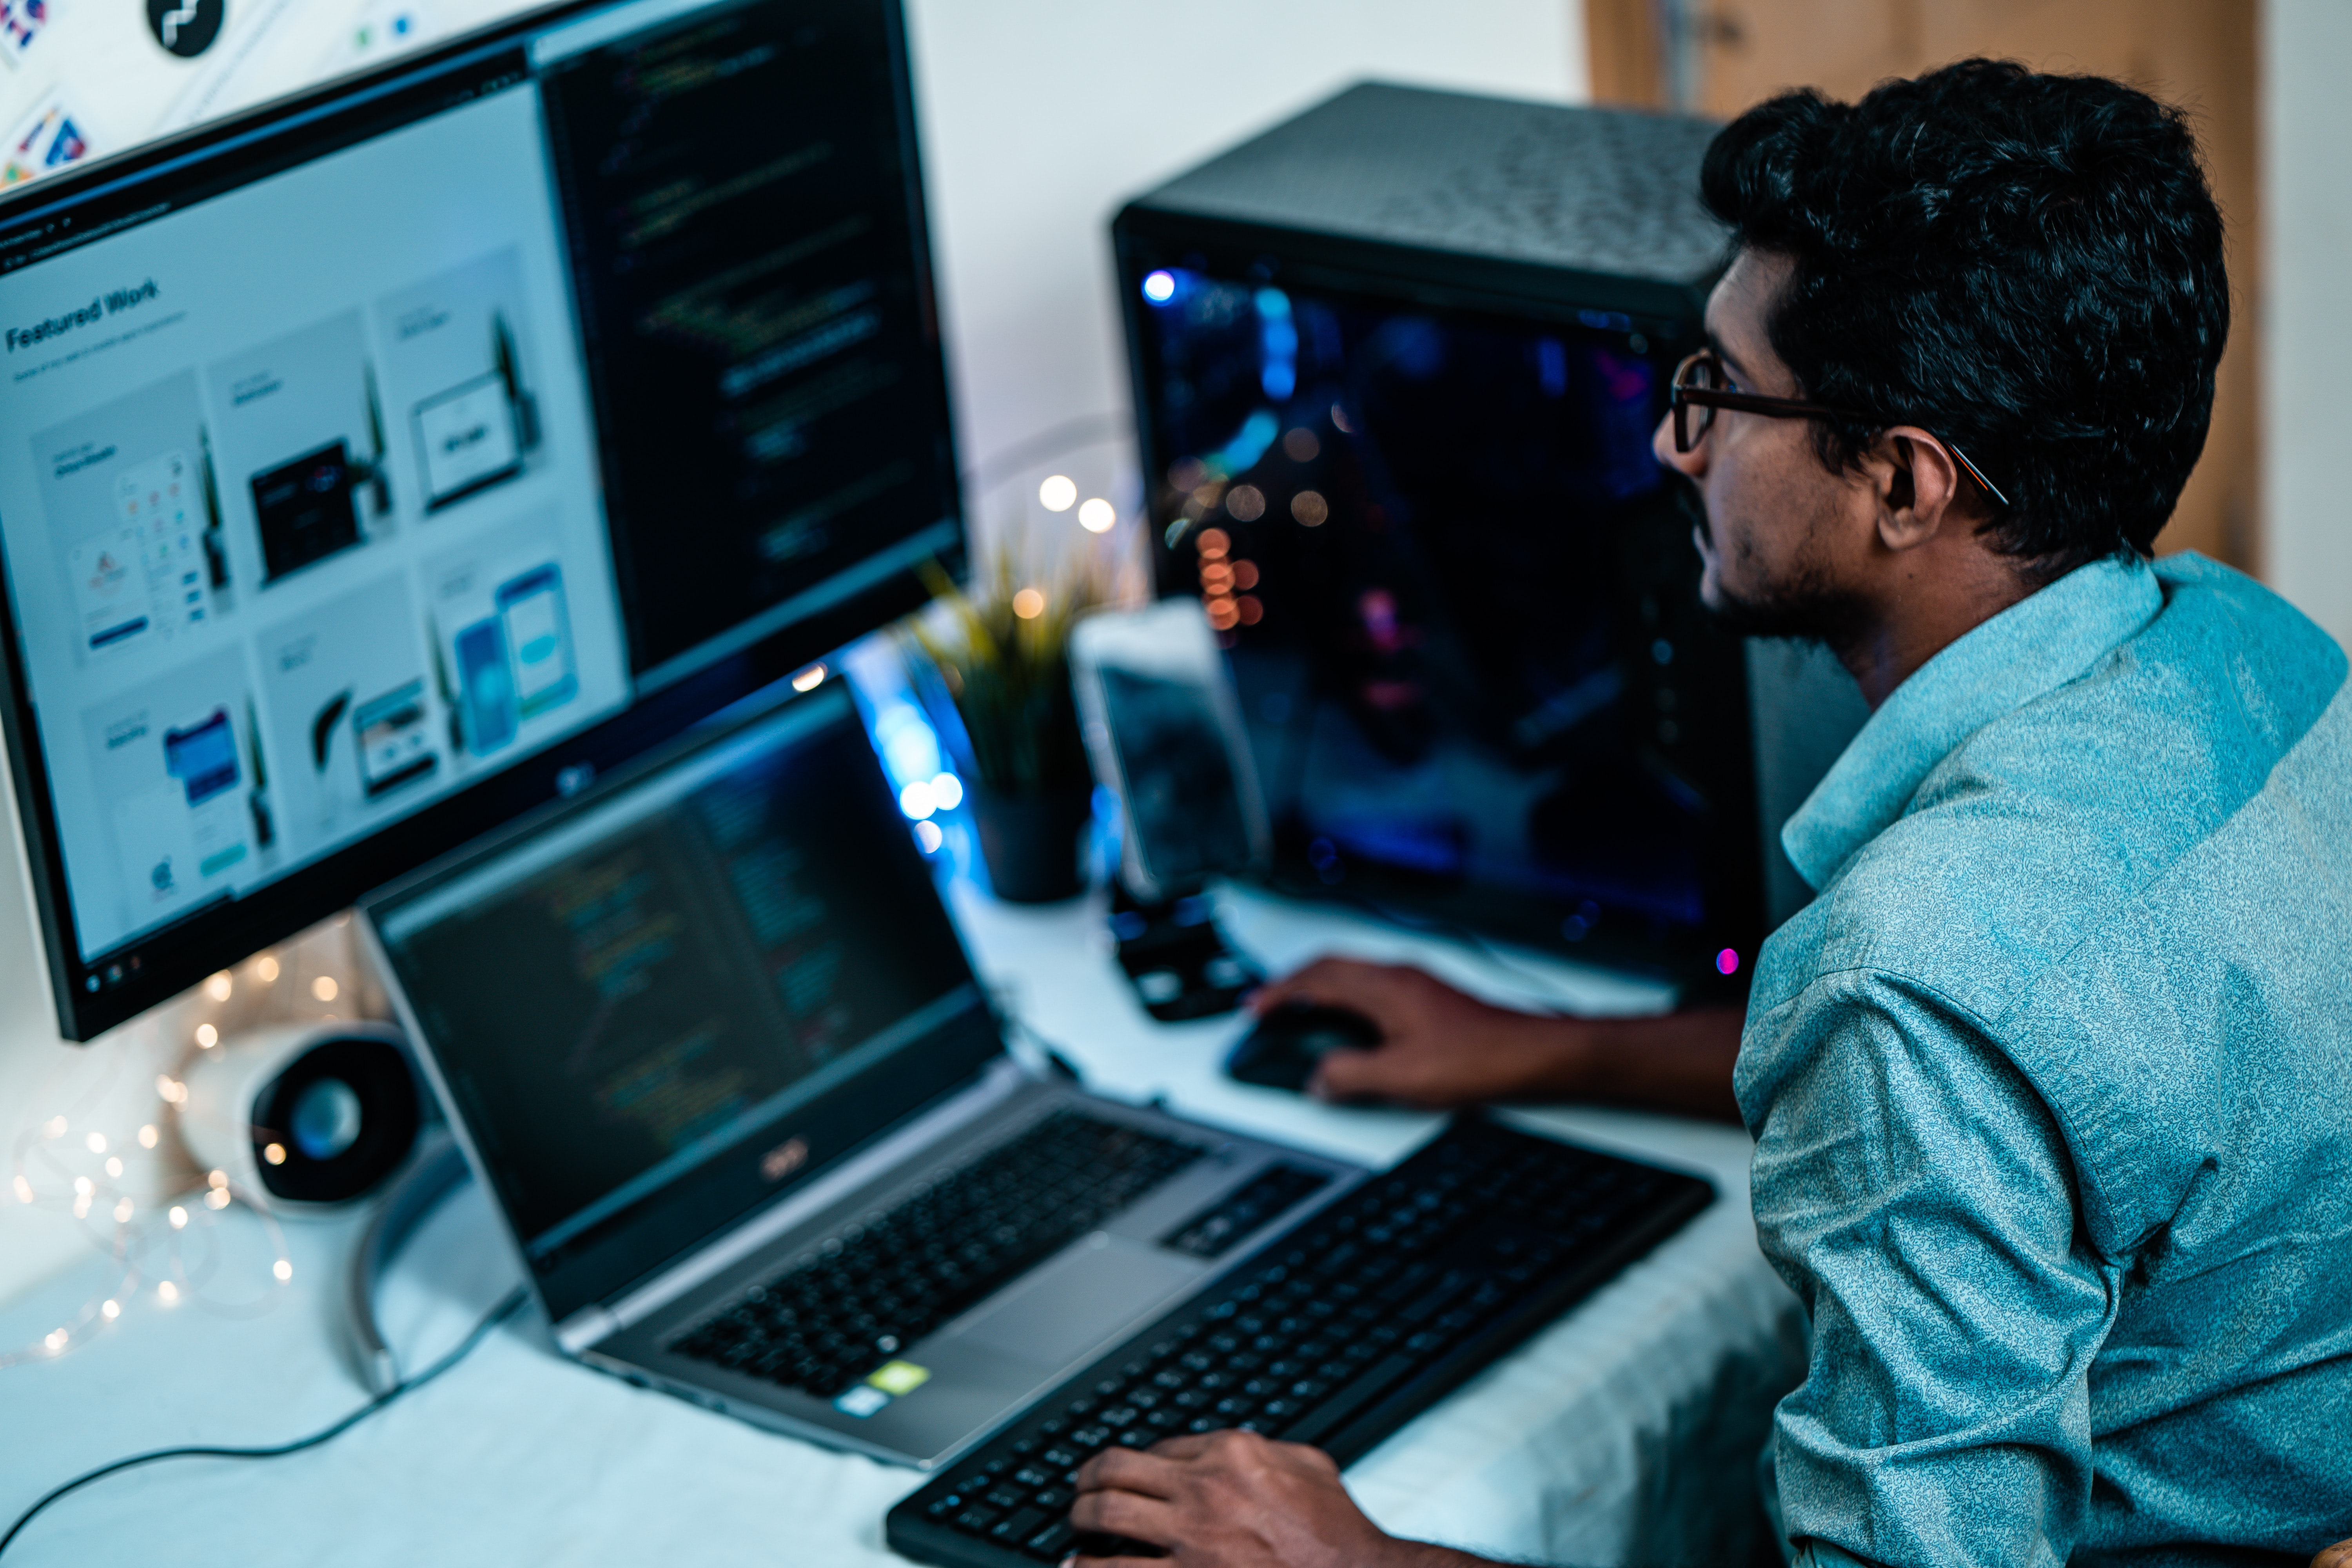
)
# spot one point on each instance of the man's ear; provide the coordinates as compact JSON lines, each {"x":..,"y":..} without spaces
{"x":1916,"y":482}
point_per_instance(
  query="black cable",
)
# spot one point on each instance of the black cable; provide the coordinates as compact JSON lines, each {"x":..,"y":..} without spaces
{"x":498,"y":1314}
{"x":1053,"y":441}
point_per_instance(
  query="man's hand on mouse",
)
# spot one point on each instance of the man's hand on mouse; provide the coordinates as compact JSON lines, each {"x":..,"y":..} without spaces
{"x":1234,"y":1500}
{"x":1438,"y":1048}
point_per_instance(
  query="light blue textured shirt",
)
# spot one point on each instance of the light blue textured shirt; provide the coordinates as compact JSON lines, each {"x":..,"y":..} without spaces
{"x":2052,"y":1089}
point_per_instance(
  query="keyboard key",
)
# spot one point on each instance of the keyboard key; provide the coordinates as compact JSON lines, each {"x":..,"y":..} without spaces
{"x":1051,"y":1543}
{"x":1020,"y":1526}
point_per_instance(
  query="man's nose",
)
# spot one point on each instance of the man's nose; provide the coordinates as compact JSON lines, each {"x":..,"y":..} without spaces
{"x":1662,"y":442}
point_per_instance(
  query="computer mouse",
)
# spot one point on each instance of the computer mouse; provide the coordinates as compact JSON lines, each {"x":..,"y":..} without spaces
{"x":1282,"y":1051}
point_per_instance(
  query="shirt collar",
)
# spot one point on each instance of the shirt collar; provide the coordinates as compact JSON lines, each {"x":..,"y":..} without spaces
{"x":2034,"y":646}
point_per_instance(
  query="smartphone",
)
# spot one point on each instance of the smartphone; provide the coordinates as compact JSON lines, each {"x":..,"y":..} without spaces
{"x":486,"y":687}
{"x":1164,"y":730}
{"x":539,"y":639}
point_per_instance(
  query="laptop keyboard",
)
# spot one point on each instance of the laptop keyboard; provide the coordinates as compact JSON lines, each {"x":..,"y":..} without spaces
{"x":876,"y":1288}
{"x":1336,"y":1333}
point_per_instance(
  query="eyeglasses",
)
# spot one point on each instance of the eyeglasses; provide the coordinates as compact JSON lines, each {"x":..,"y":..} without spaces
{"x":1701,"y":386}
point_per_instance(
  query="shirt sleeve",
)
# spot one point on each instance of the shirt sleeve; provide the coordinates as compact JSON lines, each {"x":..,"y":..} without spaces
{"x":1916,"y":1193}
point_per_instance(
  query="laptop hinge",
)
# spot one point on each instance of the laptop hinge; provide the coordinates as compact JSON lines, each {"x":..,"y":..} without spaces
{"x":584,"y":1328}
{"x":1001,"y":1079}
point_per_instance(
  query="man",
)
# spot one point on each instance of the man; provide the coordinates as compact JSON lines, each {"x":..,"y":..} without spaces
{"x":2051,"y":1084}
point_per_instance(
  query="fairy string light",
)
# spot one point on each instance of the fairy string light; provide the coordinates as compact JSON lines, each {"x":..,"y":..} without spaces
{"x":178,"y":1243}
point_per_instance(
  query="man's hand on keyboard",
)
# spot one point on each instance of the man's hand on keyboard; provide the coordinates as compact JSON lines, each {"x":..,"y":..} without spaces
{"x":1234,"y":1500}
{"x":1440,"y":1048}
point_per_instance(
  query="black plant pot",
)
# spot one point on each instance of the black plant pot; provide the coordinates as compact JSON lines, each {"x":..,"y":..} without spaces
{"x":1031,"y":842}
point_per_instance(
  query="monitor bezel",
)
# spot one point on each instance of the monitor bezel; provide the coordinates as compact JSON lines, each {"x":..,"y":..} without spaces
{"x":156,"y":964}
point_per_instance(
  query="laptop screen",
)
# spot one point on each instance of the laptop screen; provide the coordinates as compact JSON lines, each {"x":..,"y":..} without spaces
{"x":658,"y":1009}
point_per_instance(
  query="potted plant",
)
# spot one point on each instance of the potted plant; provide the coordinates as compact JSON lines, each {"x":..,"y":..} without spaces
{"x":1002,"y":651}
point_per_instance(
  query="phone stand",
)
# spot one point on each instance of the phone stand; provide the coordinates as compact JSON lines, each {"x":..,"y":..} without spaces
{"x":1176,"y":958}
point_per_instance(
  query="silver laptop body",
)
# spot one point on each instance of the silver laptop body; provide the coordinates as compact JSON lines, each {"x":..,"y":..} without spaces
{"x":703,"y":1029}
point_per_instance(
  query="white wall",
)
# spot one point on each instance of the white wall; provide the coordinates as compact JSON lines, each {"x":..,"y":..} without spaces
{"x":1038,"y":118}
{"x":2307,"y":306}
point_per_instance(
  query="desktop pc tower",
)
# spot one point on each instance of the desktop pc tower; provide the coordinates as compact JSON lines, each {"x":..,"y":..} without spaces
{"x":1397,"y":363}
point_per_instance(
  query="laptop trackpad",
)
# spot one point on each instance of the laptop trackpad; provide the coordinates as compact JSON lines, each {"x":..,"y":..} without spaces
{"x":1071,"y":1305}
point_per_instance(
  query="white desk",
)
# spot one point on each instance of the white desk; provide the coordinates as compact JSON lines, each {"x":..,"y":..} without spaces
{"x":1623,"y":1433}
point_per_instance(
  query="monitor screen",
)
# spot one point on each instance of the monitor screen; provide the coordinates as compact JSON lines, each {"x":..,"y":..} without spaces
{"x":401,"y":454}
{"x":1460,"y":597}
{"x":639,"y":1002}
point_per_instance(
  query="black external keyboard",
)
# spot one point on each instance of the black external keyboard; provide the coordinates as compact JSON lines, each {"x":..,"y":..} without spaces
{"x":1336,"y":1334}
{"x":821,"y":1326}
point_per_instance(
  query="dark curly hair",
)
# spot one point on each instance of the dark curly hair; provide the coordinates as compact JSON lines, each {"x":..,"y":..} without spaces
{"x":2029,"y":266}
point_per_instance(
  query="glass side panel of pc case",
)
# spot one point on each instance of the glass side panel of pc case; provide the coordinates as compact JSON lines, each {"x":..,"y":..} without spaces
{"x":1460,"y":597}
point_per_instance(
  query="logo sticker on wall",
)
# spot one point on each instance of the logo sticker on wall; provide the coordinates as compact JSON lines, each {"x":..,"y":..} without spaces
{"x":186,"y":27}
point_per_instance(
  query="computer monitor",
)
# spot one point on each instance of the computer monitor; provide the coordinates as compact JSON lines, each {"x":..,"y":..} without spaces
{"x":1397,"y":366}
{"x":379,"y":464}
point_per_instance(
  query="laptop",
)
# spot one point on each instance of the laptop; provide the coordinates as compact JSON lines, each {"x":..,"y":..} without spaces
{"x":715,"y":1051}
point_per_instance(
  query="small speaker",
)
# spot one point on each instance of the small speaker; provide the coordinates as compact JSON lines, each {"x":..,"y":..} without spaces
{"x":310,"y":1114}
